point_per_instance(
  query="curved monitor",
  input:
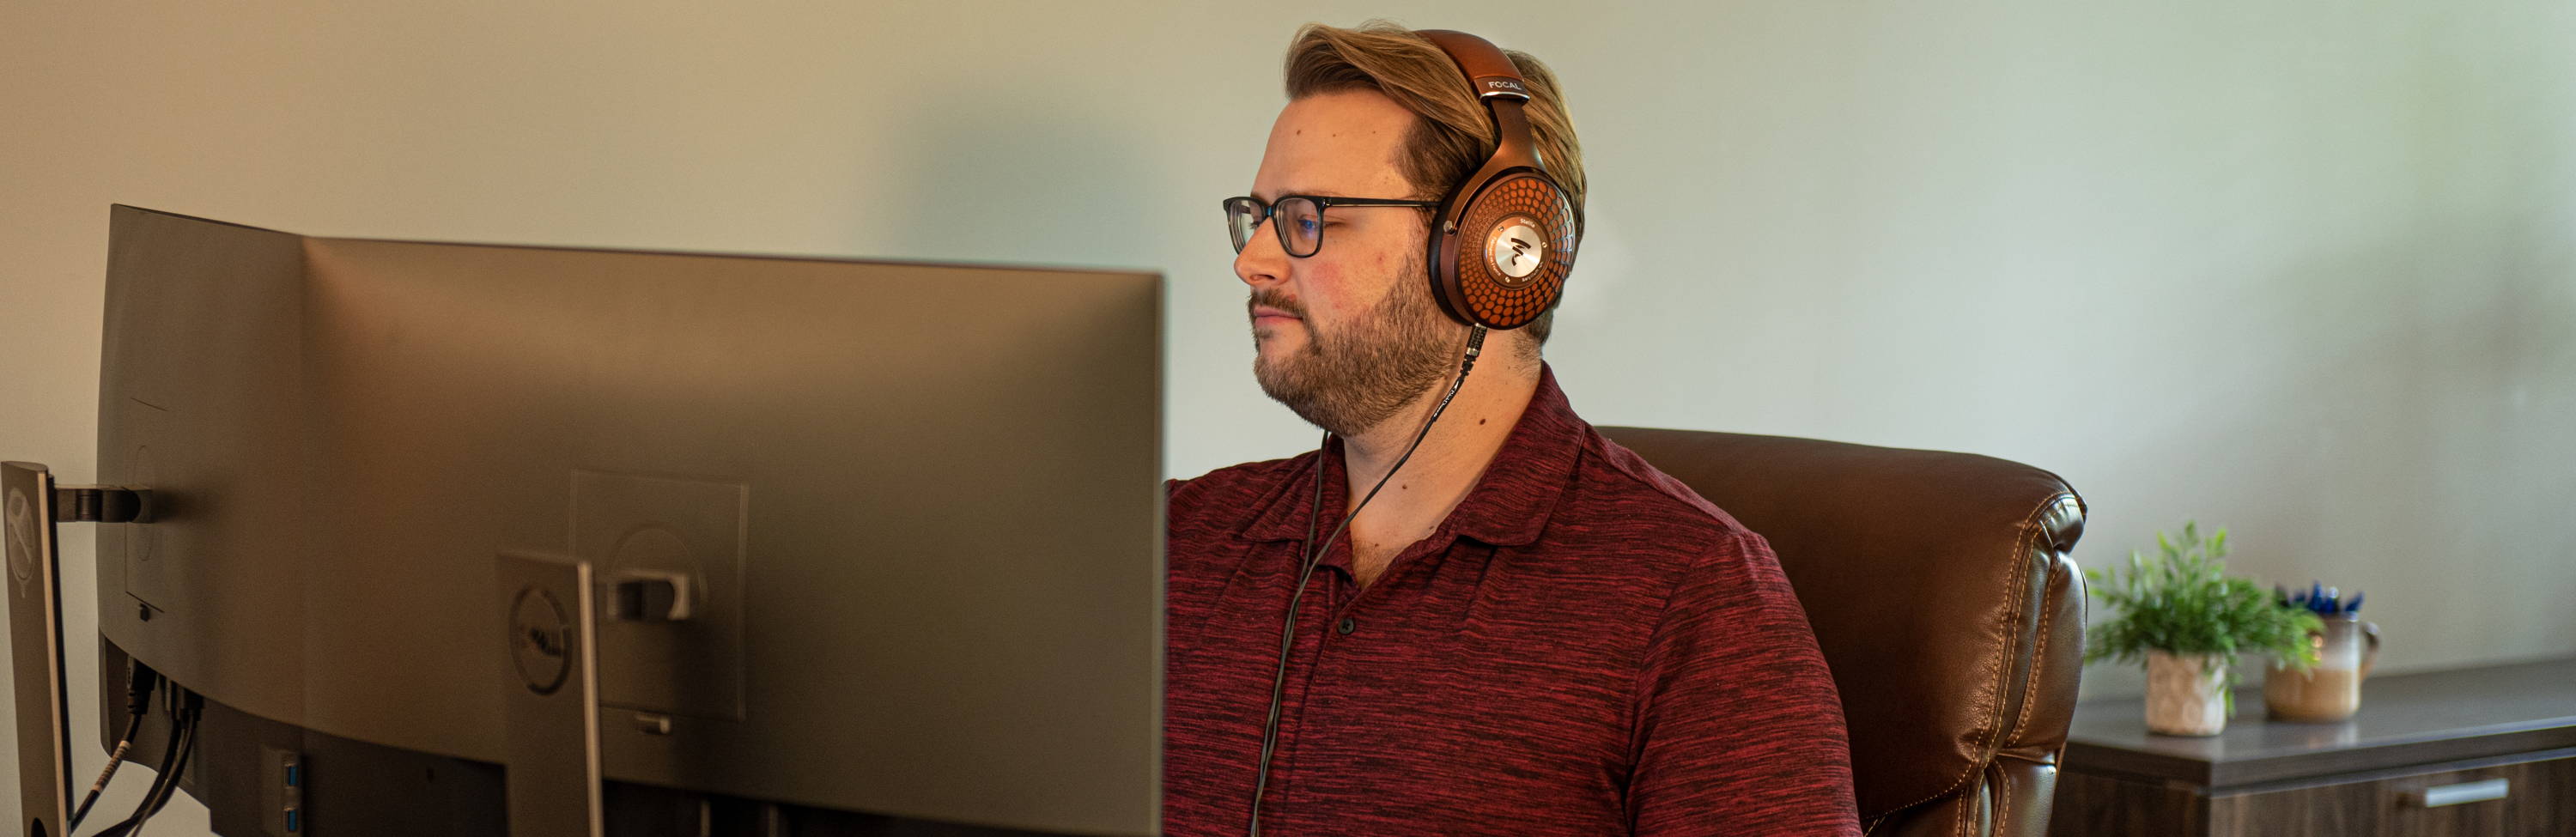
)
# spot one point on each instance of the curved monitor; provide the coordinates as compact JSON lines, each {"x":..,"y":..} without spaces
{"x":914,"y":510}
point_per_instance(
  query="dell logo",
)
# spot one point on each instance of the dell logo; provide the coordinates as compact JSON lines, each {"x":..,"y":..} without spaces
{"x":541,"y":637}
{"x":22,"y":540}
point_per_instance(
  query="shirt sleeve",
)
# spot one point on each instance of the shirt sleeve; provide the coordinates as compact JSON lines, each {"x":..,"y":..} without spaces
{"x":1738,"y":730}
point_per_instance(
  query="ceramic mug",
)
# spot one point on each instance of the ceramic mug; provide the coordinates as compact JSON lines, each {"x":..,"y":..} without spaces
{"x":2330,"y":691}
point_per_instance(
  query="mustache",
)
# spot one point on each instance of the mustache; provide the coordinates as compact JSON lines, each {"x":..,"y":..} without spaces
{"x":1273,"y":299}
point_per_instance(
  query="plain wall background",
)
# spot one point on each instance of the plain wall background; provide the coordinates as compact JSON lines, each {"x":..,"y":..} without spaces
{"x":2301,"y":269}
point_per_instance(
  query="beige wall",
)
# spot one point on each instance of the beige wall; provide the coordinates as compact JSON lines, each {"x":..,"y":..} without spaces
{"x":2303,"y":269}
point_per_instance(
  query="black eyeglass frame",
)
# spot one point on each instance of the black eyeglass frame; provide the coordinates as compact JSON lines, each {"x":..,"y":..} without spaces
{"x":1269,"y":214}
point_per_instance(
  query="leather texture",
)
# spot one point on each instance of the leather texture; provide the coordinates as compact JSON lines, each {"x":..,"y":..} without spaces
{"x":1941,"y":591}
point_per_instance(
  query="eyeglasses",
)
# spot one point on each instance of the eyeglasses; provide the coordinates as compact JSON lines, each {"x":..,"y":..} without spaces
{"x":1300,"y":219}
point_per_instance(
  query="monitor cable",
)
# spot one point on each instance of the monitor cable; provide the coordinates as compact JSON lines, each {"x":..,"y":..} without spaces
{"x":174,"y":761}
{"x":1315,"y":556}
{"x":140,"y":680}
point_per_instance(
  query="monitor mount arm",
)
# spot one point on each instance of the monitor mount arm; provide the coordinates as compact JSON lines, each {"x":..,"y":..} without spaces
{"x":34,"y":506}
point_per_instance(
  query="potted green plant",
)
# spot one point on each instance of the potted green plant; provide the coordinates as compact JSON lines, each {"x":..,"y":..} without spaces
{"x":2187,"y":618}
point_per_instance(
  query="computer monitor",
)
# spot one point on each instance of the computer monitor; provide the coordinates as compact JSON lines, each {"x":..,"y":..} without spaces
{"x":914,"y":511}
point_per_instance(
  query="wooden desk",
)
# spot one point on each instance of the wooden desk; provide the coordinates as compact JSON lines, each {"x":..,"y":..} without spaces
{"x":2363,"y":776}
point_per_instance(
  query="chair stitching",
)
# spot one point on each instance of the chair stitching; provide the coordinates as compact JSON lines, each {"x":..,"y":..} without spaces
{"x":1960,"y":826}
{"x":2039,"y":650}
{"x":2003,"y":800}
{"x":2029,"y":532}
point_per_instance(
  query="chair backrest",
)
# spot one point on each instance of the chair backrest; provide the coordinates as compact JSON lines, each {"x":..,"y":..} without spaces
{"x":1941,"y":593}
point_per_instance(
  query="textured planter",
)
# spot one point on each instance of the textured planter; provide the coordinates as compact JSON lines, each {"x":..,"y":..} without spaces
{"x":2186,"y":694}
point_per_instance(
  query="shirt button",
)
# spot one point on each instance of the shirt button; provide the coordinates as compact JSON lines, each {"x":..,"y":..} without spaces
{"x":1347,"y":626}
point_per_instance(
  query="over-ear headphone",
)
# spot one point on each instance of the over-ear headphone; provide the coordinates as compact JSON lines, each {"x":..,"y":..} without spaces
{"x":1505,"y":237}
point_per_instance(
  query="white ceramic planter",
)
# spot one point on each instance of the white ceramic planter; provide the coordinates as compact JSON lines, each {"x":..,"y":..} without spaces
{"x":2185,"y":694}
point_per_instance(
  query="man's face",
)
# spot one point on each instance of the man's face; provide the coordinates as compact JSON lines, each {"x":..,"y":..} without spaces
{"x":1348,"y":336}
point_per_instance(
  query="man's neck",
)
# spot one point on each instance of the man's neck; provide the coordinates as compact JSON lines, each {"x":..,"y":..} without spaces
{"x":1440,"y":473}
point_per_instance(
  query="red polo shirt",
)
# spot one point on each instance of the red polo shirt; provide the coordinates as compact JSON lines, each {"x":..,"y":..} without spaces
{"x":1583,"y":647}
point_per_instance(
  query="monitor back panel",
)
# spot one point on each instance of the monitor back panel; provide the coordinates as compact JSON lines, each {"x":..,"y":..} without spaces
{"x":917,"y":505}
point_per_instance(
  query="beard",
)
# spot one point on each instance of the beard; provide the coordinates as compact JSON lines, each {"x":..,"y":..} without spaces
{"x":1360,"y":375}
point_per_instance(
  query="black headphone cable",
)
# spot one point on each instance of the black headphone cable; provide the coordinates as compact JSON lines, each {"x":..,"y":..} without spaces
{"x":1315,"y":556}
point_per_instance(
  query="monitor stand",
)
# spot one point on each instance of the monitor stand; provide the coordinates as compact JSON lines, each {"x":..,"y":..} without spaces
{"x":32,"y":504}
{"x":552,"y":683}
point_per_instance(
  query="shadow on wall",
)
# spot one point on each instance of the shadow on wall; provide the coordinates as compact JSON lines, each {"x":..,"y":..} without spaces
{"x":1006,"y":175}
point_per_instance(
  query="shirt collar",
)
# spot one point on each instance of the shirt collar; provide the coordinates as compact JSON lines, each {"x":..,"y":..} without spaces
{"x":1509,"y":505}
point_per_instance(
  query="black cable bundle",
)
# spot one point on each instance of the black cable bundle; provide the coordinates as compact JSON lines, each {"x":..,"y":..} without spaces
{"x":140,"y":680}
{"x":174,"y":761}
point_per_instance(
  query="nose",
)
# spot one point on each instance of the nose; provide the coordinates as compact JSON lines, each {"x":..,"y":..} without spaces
{"x":1262,"y":261}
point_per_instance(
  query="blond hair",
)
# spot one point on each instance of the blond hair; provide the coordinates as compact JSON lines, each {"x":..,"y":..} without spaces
{"x":1452,"y":134}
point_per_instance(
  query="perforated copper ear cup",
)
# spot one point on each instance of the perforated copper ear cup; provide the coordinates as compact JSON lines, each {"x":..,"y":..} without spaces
{"x":1510,"y":254}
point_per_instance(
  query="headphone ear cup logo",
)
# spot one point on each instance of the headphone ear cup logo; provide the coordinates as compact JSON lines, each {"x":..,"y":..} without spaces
{"x":1515,"y":249}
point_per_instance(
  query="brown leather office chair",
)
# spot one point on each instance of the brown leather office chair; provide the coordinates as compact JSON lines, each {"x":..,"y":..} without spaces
{"x":1941,"y":592}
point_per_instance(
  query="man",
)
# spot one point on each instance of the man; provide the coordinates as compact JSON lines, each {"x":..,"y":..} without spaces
{"x":1526,"y":630}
